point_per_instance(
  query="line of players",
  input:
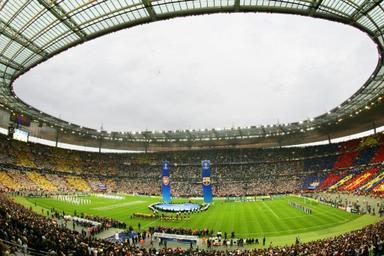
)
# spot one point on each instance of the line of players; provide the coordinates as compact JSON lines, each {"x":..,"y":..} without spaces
{"x":300,"y":207}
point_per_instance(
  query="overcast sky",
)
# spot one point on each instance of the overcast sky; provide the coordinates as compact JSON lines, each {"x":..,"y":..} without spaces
{"x":209,"y":71}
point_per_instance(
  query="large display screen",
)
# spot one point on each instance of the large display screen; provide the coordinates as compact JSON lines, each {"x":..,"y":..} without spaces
{"x":20,"y":135}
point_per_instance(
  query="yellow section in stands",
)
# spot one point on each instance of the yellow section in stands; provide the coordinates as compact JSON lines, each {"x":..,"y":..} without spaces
{"x":341,"y":182}
{"x":78,"y":183}
{"x":41,"y":181}
{"x":370,"y":183}
{"x":8,"y":182}
{"x":22,"y":154}
{"x":379,"y":188}
{"x":369,"y":141}
{"x":111,"y":185}
{"x":66,"y":160}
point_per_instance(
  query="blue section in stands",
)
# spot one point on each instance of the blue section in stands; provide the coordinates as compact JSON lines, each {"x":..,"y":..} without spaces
{"x":373,"y":185}
{"x":365,"y":155}
{"x":101,"y":186}
{"x":312,"y":182}
{"x":319,"y":163}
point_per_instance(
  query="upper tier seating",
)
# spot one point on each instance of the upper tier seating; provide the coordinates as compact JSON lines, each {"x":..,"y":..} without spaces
{"x":345,"y":160}
{"x":365,"y":155}
{"x":350,"y":145}
{"x":319,"y":163}
{"x":379,"y":155}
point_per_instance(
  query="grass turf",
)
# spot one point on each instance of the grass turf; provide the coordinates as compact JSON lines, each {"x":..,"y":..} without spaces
{"x":274,"y":219}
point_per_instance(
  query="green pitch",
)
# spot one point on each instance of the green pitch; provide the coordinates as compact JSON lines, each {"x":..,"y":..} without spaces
{"x":274,"y":219}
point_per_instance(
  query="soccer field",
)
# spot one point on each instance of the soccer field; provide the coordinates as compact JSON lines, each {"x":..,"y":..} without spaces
{"x":274,"y":219}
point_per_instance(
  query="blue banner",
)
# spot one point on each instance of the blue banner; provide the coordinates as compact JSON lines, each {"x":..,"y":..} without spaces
{"x":207,"y":186}
{"x":166,"y":186}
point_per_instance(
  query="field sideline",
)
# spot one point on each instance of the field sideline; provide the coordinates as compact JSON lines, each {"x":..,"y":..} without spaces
{"x":274,"y":219}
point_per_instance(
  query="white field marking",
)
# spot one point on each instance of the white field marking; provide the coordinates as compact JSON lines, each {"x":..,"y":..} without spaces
{"x":150,"y":223}
{"x":298,"y":229}
{"x":114,"y":206}
{"x":313,"y":215}
{"x":277,"y":216}
{"x":325,"y":213}
{"x":302,"y":216}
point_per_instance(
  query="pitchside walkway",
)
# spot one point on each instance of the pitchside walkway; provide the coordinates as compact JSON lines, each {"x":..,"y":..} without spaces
{"x":365,"y":202}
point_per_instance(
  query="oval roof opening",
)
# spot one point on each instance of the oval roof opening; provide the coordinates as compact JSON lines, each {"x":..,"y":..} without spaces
{"x":210,"y":71}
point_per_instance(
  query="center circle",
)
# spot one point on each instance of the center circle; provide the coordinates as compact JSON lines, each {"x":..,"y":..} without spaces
{"x":182,"y":207}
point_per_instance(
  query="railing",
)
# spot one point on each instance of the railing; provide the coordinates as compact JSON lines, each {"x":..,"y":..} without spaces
{"x":23,"y":250}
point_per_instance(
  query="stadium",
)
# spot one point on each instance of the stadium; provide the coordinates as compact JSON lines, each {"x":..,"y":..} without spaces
{"x":236,"y":191}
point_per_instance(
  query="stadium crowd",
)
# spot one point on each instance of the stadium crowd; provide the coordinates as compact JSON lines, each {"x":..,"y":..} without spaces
{"x":235,"y":172}
{"x":26,"y":228}
{"x":180,"y":231}
{"x":354,"y":166}
{"x":94,"y":224}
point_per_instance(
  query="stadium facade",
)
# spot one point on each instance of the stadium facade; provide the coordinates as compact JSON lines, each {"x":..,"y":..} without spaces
{"x":34,"y":31}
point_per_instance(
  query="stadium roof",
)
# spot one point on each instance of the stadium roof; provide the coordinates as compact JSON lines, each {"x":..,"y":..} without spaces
{"x":32,"y":31}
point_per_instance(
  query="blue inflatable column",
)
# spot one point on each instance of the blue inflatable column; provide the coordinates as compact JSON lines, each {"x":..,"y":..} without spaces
{"x":207,"y":186}
{"x":166,"y":186}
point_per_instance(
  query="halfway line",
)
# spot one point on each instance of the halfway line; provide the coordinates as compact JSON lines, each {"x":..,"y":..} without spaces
{"x":271,"y":210}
